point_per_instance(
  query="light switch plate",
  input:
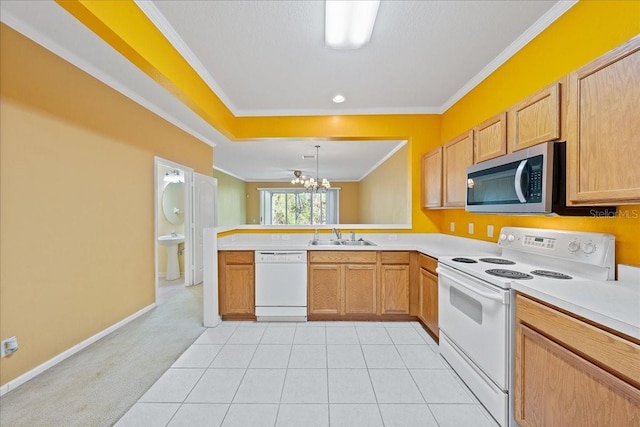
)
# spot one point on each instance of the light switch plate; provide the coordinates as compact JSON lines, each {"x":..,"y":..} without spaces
{"x":452,"y":226}
{"x":489,"y":230}
{"x":470,"y":228}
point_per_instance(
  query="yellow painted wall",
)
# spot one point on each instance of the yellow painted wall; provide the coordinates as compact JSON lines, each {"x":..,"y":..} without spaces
{"x":232,"y":199}
{"x":385,"y":192}
{"x":76,"y":202}
{"x":589,"y":29}
{"x":586,"y":31}
{"x":349,"y":200}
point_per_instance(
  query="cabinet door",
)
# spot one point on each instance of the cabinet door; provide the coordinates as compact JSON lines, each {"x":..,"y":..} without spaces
{"x":429,"y":300}
{"x":238,"y":290}
{"x":360,"y":289}
{"x":555,"y":386}
{"x":324,"y":289}
{"x":535,"y":119}
{"x":602,"y":129}
{"x":432,"y":179}
{"x":395,"y":289}
{"x":457,"y":155}
{"x":490,"y":138}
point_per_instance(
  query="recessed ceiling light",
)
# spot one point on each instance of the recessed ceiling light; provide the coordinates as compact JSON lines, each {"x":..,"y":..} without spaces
{"x":339,"y":99}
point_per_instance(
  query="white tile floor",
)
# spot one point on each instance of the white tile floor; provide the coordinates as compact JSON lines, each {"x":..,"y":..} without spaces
{"x":309,"y":374}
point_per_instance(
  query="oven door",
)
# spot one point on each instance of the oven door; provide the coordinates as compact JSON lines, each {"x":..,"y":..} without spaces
{"x":475,"y":316}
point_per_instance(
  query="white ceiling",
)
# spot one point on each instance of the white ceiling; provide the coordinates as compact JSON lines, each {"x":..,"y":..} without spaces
{"x":268,"y":58}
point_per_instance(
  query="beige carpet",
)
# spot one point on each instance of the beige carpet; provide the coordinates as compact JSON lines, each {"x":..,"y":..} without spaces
{"x":96,"y":386}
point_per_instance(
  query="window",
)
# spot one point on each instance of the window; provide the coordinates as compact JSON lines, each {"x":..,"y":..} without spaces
{"x":295,"y":206}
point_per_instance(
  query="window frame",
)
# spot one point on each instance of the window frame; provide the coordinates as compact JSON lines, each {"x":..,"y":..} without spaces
{"x":332,"y":207}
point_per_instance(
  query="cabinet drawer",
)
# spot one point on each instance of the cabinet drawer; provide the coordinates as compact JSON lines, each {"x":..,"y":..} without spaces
{"x":611,"y":352}
{"x":352,"y":257}
{"x":394,"y":257}
{"x":238,"y":257}
{"x":428,"y":263}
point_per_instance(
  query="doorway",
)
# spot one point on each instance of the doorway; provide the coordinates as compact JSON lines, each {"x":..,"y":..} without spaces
{"x":173,"y":207}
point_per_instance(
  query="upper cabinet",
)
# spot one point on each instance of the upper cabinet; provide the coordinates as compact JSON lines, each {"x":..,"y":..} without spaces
{"x":535,"y":119}
{"x":457,"y":155}
{"x":432,"y":179}
{"x":603,"y":129}
{"x":491,"y":138}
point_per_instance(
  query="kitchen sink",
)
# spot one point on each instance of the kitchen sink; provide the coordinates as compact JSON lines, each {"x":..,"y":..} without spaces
{"x":360,"y":242}
{"x":325,"y":243}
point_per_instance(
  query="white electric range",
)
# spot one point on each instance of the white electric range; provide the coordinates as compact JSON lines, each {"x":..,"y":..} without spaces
{"x":474,"y":302}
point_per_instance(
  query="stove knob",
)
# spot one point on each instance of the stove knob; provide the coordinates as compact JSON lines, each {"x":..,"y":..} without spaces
{"x":503,"y":236}
{"x":574,"y":246}
{"x":511,"y":237}
{"x":588,"y":248}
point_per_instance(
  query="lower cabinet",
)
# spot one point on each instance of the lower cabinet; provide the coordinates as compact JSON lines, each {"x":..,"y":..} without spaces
{"x":325,"y":289}
{"x":395,"y":282}
{"x":359,"y":289}
{"x":570,"y":372}
{"x":342,"y":282}
{"x":428,"y":311}
{"x":236,"y":286}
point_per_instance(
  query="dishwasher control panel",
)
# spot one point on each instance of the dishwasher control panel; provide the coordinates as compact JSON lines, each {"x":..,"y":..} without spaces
{"x":281,"y":257}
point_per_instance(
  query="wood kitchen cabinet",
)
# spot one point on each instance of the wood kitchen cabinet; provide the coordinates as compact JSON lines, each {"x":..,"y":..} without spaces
{"x":571,"y":372}
{"x":603,"y":129}
{"x":342,"y":282}
{"x":360,"y":288}
{"x":490,"y":138}
{"x":431,"y":182}
{"x":395,"y":274}
{"x":428,"y":311}
{"x":236,"y":286}
{"x":535,"y":119}
{"x":457,"y":155}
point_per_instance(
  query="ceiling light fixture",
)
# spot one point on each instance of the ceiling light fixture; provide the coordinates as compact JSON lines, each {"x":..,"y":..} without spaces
{"x":338,"y":99}
{"x":298,"y":177}
{"x":349,"y":24}
{"x":173,"y":176}
{"x":316,"y":185}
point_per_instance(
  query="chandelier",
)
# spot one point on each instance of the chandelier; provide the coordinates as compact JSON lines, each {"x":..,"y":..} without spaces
{"x":312,"y":185}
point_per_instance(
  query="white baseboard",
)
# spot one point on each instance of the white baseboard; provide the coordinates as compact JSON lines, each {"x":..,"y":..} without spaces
{"x":71,"y":351}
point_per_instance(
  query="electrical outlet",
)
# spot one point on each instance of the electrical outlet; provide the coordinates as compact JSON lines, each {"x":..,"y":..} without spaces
{"x":275,"y":237}
{"x":8,"y":346}
{"x":470,"y":230}
{"x":452,"y":226}
{"x":489,"y":230}
{"x":393,"y":237}
{"x":286,"y":237}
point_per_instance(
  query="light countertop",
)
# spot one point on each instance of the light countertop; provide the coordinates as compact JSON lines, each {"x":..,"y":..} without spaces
{"x":614,"y":304}
{"x":432,"y":244}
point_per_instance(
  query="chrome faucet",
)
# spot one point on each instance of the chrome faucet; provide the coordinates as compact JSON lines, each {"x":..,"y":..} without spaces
{"x":338,"y":233}
{"x":353,"y":236}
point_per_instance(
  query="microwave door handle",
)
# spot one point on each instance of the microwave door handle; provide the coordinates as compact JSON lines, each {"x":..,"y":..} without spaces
{"x":518,"y":181}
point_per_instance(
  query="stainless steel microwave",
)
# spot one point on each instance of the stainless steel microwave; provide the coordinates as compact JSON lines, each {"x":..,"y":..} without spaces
{"x":530,"y":181}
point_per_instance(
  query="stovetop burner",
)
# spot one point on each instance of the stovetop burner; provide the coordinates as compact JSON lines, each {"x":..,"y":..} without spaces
{"x":509,"y":274}
{"x":465,"y":260}
{"x":497,"y":261}
{"x":551,"y":274}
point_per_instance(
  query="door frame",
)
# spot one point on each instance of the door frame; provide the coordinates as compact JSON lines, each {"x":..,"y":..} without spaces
{"x":188,"y":217}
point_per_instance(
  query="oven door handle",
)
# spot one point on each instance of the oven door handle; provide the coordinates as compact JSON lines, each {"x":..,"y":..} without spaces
{"x":487,"y":295}
{"x":518,"y":181}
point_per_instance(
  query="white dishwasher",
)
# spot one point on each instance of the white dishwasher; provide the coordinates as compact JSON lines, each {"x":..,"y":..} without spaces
{"x":281,"y":286}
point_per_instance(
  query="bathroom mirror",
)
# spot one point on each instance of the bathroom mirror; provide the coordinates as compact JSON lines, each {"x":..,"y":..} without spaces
{"x":173,"y":202}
